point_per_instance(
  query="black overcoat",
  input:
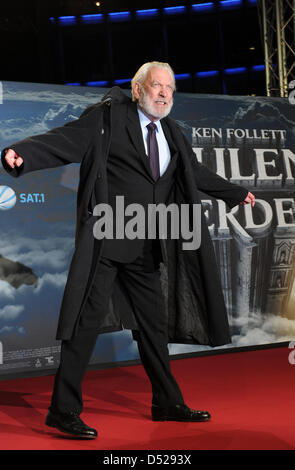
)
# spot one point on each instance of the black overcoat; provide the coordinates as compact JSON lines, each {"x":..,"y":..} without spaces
{"x":189,"y":278}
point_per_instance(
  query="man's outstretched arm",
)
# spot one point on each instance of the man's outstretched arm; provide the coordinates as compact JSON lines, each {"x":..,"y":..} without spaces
{"x":59,"y":146}
{"x":214,"y":185}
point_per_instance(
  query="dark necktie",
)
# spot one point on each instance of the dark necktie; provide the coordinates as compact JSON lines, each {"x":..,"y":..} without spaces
{"x":153,"y":150}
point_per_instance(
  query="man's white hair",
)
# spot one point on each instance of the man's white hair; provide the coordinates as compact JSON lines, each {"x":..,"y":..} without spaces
{"x":142,"y":72}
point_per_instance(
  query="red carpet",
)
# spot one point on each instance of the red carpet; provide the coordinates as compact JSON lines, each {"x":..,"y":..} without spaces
{"x":249,"y":394}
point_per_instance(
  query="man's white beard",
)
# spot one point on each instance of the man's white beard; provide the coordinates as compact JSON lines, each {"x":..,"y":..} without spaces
{"x":148,"y":107}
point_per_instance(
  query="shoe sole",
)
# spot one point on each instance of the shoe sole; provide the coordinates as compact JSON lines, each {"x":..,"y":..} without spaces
{"x":64,"y":431}
{"x":182,"y":420}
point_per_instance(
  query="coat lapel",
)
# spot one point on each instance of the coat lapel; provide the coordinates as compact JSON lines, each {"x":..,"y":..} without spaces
{"x":135,"y":134}
{"x":176,"y":141}
{"x":169,"y":138}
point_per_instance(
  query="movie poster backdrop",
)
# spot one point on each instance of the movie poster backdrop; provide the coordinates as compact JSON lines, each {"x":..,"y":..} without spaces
{"x":247,"y":140}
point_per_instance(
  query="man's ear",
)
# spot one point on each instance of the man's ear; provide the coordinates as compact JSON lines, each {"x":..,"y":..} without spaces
{"x":136,"y":90}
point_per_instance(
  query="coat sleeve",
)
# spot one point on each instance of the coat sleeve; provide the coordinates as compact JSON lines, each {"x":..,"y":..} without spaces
{"x":214,"y":185}
{"x":59,"y":146}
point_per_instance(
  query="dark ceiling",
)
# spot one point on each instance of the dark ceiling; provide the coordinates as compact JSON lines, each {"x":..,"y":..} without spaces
{"x":35,"y":49}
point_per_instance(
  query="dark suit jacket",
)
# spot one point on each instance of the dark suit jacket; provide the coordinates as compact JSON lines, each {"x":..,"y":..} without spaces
{"x":129,"y":175}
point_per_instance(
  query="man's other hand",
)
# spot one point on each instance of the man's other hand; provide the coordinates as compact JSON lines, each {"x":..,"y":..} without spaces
{"x":250,"y":198}
{"x":13,"y":159}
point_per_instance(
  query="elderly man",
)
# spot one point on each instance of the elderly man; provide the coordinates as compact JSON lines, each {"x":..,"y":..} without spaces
{"x":154,"y":287}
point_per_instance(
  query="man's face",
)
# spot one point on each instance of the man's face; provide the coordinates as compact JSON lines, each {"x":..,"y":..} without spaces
{"x":155,"y":96}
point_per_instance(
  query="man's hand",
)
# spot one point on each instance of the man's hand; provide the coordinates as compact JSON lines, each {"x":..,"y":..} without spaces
{"x":13,"y":159}
{"x":250,"y":198}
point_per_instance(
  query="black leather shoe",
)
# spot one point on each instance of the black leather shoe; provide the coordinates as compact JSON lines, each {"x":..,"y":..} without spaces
{"x":70,"y":423}
{"x":179,"y":413}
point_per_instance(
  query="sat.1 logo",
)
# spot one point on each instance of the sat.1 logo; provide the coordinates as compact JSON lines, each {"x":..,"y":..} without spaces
{"x":8,"y":198}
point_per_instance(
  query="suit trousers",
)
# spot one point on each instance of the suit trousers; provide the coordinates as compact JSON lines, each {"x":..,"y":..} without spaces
{"x":141,"y":279}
